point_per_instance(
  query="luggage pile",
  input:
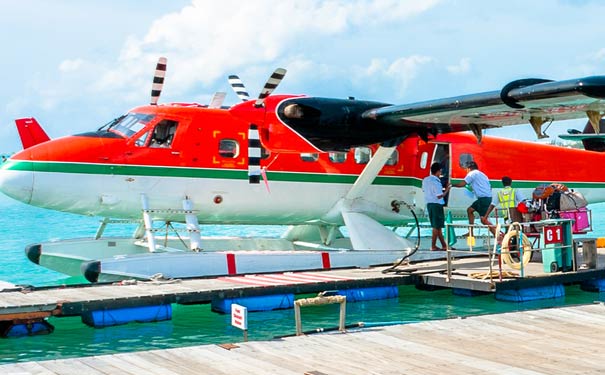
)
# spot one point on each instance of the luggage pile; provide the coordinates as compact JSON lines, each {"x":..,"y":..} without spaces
{"x":553,"y":201}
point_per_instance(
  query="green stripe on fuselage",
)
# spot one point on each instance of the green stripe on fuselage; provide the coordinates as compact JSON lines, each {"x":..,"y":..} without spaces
{"x":497,"y":184}
{"x":157,"y":171}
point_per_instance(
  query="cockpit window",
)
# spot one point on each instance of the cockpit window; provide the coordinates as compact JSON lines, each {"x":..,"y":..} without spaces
{"x":129,"y":124}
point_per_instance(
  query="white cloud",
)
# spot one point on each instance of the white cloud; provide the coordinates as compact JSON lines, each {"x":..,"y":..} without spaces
{"x":208,"y":39}
{"x":599,"y":55}
{"x":463,"y":66}
{"x":405,"y":69}
{"x":397,"y":74}
{"x":70,"y":65}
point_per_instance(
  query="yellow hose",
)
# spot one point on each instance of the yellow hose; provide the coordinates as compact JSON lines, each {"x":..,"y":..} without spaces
{"x":505,"y":252}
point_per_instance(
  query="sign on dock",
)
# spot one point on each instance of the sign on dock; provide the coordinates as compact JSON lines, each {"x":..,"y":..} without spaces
{"x":239,"y":316}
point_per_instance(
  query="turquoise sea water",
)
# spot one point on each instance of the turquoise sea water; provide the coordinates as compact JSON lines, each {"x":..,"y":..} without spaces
{"x":194,"y":325}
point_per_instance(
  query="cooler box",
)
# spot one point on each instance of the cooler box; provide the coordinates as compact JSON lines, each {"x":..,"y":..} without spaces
{"x":579,"y":217}
{"x":556,"y":259}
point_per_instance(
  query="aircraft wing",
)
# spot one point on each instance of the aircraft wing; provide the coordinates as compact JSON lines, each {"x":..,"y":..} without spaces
{"x":338,"y":124}
{"x":517,"y":103}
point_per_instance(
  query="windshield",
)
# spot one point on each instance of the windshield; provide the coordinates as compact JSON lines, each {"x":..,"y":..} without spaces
{"x":129,"y":124}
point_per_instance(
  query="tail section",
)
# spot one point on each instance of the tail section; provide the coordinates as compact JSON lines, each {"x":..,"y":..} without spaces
{"x":592,"y":141}
{"x":30,"y":132}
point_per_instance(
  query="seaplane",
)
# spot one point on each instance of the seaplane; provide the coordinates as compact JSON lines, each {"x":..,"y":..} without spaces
{"x":339,"y":173}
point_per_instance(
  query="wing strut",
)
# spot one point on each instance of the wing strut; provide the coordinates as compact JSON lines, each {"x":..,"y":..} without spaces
{"x":536,"y":123}
{"x":477,"y":131}
{"x":595,"y":119}
{"x":370,"y":172}
{"x":365,"y":232}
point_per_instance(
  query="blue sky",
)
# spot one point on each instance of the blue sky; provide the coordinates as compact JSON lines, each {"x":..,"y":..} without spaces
{"x":75,"y":65}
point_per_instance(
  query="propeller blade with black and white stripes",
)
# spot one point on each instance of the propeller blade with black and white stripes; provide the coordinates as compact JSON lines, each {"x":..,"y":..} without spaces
{"x":239,"y":88}
{"x":158,"y":80}
{"x":271,"y":84}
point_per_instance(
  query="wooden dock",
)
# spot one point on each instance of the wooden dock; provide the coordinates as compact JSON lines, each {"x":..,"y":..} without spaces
{"x":75,"y":300}
{"x":564,"y":340}
{"x":37,"y":303}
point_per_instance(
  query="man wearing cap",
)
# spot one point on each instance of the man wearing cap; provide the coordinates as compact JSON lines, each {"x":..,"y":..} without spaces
{"x":482,"y":189}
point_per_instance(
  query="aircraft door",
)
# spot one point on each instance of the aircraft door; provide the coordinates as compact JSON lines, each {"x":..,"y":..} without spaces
{"x":442,"y":156}
{"x":418,"y":166}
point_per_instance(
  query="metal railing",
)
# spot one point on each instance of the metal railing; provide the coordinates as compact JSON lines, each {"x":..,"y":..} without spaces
{"x":527,"y":235}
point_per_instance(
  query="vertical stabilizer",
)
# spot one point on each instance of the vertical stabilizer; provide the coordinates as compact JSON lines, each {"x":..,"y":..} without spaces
{"x":30,"y":132}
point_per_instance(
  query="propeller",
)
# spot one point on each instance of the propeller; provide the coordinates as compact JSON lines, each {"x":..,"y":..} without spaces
{"x":158,"y":80}
{"x":273,"y":81}
{"x":239,"y":88}
{"x":254,"y":144}
{"x":271,"y":84}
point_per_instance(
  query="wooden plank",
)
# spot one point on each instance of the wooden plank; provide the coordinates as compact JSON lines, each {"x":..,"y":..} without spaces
{"x":72,"y":366}
{"x":26,"y":368}
{"x":103,"y":365}
{"x":148,"y":367}
{"x":111,"y":364}
{"x":194,"y":362}
{"x":546,"y":341}
{"x":158,"y":359}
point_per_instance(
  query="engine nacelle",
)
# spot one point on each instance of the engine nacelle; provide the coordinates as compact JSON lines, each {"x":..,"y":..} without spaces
{"x":327,"y":124}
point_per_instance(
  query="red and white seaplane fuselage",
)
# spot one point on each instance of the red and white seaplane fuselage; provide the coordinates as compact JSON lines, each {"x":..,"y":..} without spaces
{"x":314,"y":164}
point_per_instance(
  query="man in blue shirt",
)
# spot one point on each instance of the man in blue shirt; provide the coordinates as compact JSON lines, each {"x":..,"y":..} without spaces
{"x":483,"y":191}
{"x":433,"y":197}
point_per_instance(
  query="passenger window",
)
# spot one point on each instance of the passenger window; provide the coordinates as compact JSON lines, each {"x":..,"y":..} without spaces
{"x":309,"y":156}
{"x":465,"y":159}
{"x":163,"y":134}
{"x":424,"y":157}
{"x":393,"y":159}
{"x":337,"y":157}
{"x":228,"y":148}
{"x":363,"y":155}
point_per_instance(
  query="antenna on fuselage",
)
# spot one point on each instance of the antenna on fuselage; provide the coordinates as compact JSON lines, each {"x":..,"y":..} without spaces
{"x":158,"y":80}
{"x":217,"y":100}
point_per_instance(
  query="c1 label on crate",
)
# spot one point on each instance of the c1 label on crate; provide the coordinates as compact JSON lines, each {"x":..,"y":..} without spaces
{"x":553,"y":234}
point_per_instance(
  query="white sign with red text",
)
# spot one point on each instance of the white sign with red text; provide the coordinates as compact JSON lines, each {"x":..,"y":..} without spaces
{"x":239,"y":316}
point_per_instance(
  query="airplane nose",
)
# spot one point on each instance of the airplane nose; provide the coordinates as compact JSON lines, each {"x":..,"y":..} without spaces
{"x":16,"y":181}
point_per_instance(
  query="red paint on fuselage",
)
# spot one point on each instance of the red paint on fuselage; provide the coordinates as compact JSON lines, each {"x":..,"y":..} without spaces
{"x":196,"y":145}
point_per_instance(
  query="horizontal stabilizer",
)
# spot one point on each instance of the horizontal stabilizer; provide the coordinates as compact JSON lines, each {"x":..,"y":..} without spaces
{"x":581,"y":137}
{"x":30,"y":132}
{"x":368,"y":234}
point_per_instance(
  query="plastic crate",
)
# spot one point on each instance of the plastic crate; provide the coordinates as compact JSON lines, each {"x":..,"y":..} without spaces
{"x":579,"y":217}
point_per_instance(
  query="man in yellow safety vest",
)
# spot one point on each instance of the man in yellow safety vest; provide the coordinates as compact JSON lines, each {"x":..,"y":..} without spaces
{"x":508,"y":199}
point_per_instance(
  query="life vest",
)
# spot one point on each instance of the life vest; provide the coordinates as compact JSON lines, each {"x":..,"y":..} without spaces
{"x":506,"y":197}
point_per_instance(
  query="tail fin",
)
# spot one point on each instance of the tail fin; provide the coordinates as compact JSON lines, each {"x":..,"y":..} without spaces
{"x":30,"y":132}
{"x":596,"y":142}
